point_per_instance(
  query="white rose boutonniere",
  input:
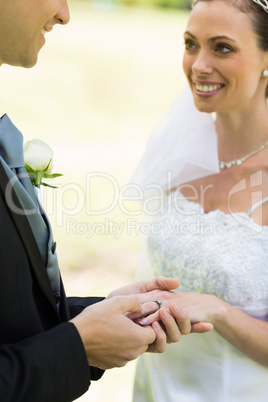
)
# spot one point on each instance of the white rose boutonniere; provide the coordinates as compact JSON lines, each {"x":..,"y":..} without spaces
{"x":38,"y":158}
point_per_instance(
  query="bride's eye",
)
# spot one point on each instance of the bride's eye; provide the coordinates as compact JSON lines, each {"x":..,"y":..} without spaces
{"x":189,"y":45}
{"x":223,"y":49}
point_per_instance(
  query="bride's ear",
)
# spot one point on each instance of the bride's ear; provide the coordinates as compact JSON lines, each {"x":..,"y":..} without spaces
{"x":265,"y":65}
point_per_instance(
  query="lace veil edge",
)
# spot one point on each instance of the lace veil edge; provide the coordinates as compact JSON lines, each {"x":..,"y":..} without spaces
{"x":183,"y":148}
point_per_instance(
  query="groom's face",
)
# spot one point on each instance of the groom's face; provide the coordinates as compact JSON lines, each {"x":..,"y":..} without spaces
{"x":23,"y":24}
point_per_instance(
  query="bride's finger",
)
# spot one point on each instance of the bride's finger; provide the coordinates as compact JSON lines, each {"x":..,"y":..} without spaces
{"x":170,"y":326}
{"x":147,"y":309}
{"x":201,"y":327}
{"x":182,"y":318}
{"x":160,"y":344}
{"x":149,"y":319}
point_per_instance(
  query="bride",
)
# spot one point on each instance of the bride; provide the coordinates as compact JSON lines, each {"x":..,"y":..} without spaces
{"x":213,"y":227}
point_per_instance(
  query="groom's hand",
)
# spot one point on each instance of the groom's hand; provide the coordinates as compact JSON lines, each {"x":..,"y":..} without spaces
{"x":143,"y":287}
{"x":110,"y":338}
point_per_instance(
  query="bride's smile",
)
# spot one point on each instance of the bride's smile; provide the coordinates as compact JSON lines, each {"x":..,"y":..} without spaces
{"x":222,"y":61}
{"x":207,"y":88}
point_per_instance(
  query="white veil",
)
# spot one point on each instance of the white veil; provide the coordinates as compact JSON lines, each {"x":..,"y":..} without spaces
{"x":183,"y":147}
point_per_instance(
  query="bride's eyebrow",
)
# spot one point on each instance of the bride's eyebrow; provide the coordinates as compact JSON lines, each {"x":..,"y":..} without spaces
{"x":189,"y":33}
{"x":221,"y":37}
{"x":213,"y":39}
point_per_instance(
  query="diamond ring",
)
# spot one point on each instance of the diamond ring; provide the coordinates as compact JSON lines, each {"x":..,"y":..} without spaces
{"x":159,"y":302}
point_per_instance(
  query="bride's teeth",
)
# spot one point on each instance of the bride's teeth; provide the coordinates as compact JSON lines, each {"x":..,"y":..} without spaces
{"x":43,"y":32}
{"x":207,"y":88}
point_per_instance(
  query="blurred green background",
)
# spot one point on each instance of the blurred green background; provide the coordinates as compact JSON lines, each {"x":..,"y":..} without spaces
{"x":101,"y":85}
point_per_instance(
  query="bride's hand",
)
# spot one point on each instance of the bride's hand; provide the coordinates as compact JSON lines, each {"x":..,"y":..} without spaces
{"x":201,"y":308}
{"x":182,"y":321}
{"x":172,"y":325}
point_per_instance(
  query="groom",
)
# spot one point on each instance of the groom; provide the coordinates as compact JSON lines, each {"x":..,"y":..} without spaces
{"x":51,"y":346}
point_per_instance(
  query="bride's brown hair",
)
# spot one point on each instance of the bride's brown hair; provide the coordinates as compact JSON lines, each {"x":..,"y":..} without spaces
{"x":259,"y":20}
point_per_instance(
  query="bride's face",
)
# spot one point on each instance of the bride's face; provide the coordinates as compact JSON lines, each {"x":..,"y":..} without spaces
{"x":222,"y":61}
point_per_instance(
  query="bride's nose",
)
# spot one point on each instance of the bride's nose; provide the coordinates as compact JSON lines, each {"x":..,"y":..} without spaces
{"x":202,"y":64}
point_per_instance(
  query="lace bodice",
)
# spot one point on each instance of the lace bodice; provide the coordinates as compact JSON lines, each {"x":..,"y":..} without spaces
{"x":213,"y":253}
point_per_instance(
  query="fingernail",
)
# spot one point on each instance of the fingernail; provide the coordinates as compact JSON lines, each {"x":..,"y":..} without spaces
{"x":176,"y":307}
{"x":144,"y":321}
{"x":157,"y":325}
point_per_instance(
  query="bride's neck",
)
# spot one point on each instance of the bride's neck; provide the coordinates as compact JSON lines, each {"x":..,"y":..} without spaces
{"x":239,"y":134}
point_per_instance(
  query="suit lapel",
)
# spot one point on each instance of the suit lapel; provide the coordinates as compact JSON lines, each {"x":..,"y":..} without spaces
{"x":24,"y":229}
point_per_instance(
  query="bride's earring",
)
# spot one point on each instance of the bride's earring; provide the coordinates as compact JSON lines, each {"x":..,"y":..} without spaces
{"x":265,"y":73}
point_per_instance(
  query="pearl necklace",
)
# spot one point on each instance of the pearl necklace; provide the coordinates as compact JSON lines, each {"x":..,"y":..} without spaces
{"x":238,"y":162}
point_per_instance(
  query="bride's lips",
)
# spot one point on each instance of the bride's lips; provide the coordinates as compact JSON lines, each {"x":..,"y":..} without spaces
{"x":207,"y":89}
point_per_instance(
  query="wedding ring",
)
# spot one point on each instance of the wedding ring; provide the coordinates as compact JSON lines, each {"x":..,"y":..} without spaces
{"x":142,"y":313}
{"x":159,"y":302}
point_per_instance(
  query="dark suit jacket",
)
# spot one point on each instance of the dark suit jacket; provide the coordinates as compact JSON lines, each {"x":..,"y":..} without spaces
{"x":42,"y":357}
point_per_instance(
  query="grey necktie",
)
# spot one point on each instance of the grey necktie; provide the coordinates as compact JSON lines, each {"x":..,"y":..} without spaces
{"x":11,"y":150}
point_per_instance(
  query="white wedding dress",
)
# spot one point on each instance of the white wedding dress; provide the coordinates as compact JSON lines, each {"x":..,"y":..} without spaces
{"x":214,"y":253}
